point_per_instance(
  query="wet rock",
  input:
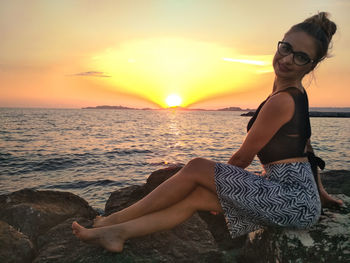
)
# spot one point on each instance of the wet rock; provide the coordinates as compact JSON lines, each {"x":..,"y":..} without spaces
{"x":336,"y":181}
{"x":14,"y":245}
{"x":327,"y":241}
{"x":35,"y":212}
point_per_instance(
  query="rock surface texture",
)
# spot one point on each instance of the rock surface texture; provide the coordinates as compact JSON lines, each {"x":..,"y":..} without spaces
{"x":35,"y":226}
{"x":327,"y":241}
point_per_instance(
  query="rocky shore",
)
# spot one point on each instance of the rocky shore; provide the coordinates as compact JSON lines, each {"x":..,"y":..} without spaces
{"x":35,"y":226}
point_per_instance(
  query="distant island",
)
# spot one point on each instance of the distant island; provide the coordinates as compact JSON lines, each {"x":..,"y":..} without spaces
{"x":235,"y":109}
{"x":314,"y":112}
{"x":106,"y":107}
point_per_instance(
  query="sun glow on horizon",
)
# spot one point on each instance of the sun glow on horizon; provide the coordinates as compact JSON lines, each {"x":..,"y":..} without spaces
{"x":151,"y":68}
{"x":173,"y":100}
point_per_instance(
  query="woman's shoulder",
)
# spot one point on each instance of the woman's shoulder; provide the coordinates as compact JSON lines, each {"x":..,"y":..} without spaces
{"x":278,"y":108}
{"x":279,"y":101}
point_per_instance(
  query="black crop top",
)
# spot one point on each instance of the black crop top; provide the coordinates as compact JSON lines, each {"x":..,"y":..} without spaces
{"x":290,"y":140}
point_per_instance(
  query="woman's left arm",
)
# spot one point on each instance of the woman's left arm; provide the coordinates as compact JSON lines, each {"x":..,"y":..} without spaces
{"x":326,"y":199}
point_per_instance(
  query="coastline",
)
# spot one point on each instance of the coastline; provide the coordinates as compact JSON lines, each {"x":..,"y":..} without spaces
{"x":326,"y":112}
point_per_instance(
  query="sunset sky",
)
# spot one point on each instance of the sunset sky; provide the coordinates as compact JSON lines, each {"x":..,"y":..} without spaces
{"x":135,"y":53}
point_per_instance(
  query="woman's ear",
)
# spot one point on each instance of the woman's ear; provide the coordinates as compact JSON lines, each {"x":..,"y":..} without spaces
{"x":313,"y":66}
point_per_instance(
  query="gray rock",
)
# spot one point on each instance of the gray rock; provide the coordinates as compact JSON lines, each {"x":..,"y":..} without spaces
{"x":14,"y":245}
{"x":59,"y":245}
{"x":336,"y":181}
{"x":44,"y":219}
{"x":188,"y":242}
{"x":327,"y":241}
{"x":35,"y":212}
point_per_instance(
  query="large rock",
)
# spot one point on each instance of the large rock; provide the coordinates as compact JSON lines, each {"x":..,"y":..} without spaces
{"x":336,"y":181}
{"x":41,"y":221}
{"x":189,"y":242}
{"x":61,"y":246}
{"x":14,"y":245}
{"x":34,"y":212}
{"x":327,"y":241}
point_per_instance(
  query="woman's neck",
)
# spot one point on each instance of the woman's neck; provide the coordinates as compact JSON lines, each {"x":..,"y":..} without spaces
{"x":281,"y":84}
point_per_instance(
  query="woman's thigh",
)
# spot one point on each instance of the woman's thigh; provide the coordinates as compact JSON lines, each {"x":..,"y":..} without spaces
{"x":201,"y":172}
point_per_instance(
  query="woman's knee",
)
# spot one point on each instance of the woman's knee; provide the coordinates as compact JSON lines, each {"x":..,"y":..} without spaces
{"x":203,"y":199}
{"x":201,"y":171}
{"x":198,"y":163}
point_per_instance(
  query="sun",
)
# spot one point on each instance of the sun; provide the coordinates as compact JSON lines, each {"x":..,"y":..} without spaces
{"x":173,"y":100}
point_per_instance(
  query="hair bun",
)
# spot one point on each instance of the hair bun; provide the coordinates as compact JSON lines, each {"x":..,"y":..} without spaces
{"x":321,"y":19}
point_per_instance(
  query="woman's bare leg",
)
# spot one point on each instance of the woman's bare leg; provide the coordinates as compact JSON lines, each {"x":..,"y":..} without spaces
{"x":113,"y":237}
{"x":198,"y":172}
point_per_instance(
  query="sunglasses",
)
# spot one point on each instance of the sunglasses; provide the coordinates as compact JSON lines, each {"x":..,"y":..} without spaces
{"x":299,"y":58}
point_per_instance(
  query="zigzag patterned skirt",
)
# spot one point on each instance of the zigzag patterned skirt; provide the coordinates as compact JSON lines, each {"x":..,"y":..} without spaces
{"x":286,"y":196}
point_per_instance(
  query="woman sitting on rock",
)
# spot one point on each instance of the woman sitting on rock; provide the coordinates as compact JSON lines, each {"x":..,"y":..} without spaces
{"x":287,"y":194}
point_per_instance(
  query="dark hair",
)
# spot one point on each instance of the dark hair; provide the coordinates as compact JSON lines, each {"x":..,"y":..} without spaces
{"x":321,"y":29}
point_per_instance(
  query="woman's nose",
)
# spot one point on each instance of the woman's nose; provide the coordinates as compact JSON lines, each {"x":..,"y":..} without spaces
{"x":288,"y":59}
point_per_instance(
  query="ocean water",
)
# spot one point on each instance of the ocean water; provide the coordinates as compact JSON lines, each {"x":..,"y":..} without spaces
{"x":95,"y":152}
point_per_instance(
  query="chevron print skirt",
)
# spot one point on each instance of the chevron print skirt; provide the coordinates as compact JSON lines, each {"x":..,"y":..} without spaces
{"x":286,"y":196}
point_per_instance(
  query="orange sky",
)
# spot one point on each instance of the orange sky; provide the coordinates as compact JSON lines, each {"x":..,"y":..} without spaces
{"x":213,"y":54}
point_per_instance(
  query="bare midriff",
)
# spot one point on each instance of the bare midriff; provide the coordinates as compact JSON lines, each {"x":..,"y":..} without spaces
{"x":291,"y":160}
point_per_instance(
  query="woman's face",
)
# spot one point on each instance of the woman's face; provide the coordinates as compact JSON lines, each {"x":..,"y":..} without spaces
{"x":285,"y":67}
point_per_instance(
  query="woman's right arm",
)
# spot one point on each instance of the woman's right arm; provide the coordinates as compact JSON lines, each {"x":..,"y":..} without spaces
{"x":277,"y":111}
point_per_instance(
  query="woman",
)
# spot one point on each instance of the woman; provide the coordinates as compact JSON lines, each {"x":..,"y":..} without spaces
{"x":285,"y":196}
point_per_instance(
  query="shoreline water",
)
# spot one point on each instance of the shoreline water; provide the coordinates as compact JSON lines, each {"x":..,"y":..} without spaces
{"x":92,"y":153}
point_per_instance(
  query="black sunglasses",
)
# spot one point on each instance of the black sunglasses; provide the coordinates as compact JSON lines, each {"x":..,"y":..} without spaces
{"x":299,"y":58}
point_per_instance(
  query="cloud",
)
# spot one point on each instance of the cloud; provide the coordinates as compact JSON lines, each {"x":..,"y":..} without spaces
{"x":248,"y":61}
{"x":91,"y":74}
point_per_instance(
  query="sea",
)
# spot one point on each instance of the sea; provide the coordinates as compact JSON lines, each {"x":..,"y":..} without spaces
{"x":94,"y":152}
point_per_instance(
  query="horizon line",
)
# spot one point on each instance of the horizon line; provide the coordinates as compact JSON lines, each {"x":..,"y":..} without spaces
{"x":147,"y":108}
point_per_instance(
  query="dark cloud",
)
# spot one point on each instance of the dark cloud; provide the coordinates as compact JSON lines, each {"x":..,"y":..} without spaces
{"x":91,"y":74}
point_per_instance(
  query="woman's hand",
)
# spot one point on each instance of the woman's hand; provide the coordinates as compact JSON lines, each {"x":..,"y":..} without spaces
{"x":240,"y":160}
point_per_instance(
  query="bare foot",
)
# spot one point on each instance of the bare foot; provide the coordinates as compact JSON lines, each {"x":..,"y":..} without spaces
{"x":106,"y":237}
{"x":330,"y":202}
